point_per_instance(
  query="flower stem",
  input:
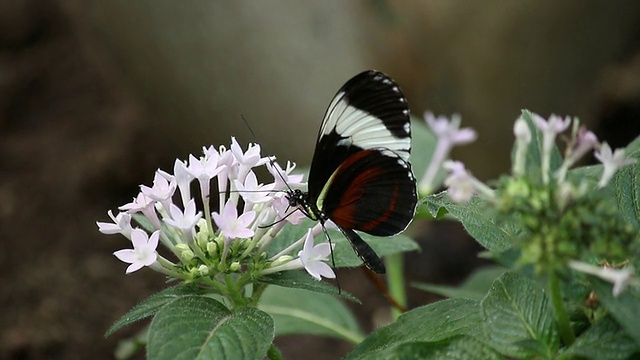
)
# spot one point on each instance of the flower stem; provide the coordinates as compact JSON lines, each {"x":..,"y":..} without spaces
{"x":564,"y":326}
{"x":395,"y":279}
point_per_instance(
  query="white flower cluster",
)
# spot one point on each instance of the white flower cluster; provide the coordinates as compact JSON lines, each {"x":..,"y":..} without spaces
{"x":210,"y":242}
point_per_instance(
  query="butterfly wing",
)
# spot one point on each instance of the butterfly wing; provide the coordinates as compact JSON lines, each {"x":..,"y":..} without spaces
{"x":372,"y":191}
{"x":368,"y":112}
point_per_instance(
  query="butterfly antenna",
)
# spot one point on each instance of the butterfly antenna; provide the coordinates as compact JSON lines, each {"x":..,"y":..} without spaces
{"x":273,"y":163}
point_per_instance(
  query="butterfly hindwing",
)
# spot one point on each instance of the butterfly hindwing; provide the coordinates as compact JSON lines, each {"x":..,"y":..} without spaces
{"x":373,"y":191}
{"x":368,"y":112}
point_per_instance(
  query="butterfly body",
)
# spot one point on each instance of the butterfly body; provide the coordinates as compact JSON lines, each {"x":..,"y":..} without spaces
{"x":360,"y":176}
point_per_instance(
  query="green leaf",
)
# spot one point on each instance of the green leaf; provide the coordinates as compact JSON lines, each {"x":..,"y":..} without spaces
{"x":296,"y":311}
{"x":626,"y":186}
{"x":301,"y":280}
{"x":345,"y":256}
{"x":474,"y":287}
{"x":198,"y":327}
{"x":633,"y":149}
{"x":153,"y":304}
{"x":605,"y":340}
{"x":431,"y":323}
{"x":517,"y":318}
{"x":477,"y":221}
{"x":458,"y":348}
{"x":423,"y":143}
{"x":625,"y":308}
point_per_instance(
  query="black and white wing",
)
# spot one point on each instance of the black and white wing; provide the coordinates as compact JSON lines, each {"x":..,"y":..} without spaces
{"x":368,"y":112}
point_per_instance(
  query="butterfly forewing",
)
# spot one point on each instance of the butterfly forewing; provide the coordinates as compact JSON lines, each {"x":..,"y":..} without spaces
{"x":368,"y":112}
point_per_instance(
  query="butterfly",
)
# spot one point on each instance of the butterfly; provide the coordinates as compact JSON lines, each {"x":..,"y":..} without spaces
{"x":360,"y":176}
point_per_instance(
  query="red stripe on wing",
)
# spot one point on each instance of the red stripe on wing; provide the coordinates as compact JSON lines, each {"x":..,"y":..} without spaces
{"x":343,"y":216}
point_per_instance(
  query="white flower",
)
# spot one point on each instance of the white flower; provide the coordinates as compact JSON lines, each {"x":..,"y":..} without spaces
{"x":143,"y":252}
{"x":449,"y":134}
{"x":313,"y":257}
{"x":185,"y":221}
{"x":550,"y":129}
{"x":252,"y":192}
{"x":521,"y":131}
{"x":164,"y":186}
{"x":246,"y":160}
{"x":612,"y":161}
{"x":620,"y":278}
{"x":232,"y":226}
{"x":204,"y":169}
{"x":283,"y":178}
{"x":144,"y":204}
{"x":121,"y":224}
{"x":183,"y":180}
{"x":459,"y":182}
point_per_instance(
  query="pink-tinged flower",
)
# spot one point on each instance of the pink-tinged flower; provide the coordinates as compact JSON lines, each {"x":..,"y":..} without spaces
{"x":252,"y":192}
{"x":554,"y":126}
{"x":143,"y":252}
{"x":144,"y":204}
{"x":586,"y":141}
{"x":185,"y":221}
{"x":283,"y":178}
{"x":449,"y":134}
{"x":313,"y":257}
{"x":612,"y":162}
{"x":285,"y":212}
{"x":460,"y":184}
{"x":231,"y":226}
{"x":550,"y":129}
{"x":164,"y":186}
{"x":204,"y":169}
{"x":121,"y":225}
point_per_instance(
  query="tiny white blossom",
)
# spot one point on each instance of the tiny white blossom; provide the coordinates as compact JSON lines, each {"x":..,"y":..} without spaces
{"x":143,"y":252}
{"x":313,"y":257}
{"x":121,"y":224}
{"x":460,"y":184}
{"x":246,"y":160}
{"x":521,"y":131}
{"x":252,"y":192}
{"x":164,"y":186}
{"x":185,"y":221}
{"x":283,"y":178}
{"x":620,"y":278}
{"x":611,"y":161}
{"x":233,"y":226}
{"x":183,"y":180}
{"x":550,"y":129}
{"x":144,"y":204}
{"x":204,"y":169}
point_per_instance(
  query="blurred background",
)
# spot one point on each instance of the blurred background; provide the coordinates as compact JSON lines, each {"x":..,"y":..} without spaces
{"x":96,"y":95}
